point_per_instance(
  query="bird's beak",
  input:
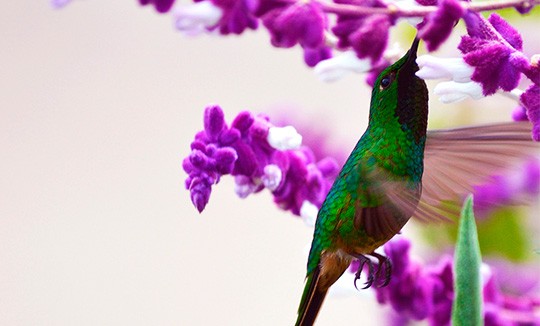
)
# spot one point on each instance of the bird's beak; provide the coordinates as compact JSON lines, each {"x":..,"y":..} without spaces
{"x":411,"y":54}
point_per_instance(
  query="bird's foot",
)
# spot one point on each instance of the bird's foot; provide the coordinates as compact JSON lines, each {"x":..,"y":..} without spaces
{"x":384,"y":266}
{"x":371,"y":275}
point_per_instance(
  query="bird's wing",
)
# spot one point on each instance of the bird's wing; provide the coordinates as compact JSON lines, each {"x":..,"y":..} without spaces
{"x":455,"y":160}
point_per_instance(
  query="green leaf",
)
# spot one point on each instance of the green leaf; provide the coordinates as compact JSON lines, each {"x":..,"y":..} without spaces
{"x":467,"y":307}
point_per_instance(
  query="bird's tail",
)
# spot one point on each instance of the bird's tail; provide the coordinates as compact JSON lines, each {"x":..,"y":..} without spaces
{"x":312,"y":299}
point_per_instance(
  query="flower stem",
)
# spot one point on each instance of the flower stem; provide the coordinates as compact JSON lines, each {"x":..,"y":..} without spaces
{"x":421,"y":11}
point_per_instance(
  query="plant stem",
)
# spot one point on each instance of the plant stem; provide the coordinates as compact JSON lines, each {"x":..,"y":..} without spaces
{"x":421,"y":11}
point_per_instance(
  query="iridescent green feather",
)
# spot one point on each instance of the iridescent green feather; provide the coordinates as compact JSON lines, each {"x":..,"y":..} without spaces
{"x":387,"y":144}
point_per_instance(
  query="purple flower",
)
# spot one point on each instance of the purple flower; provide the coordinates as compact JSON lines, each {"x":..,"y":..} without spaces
{"x":506,"y":309}
{"x":513,"y":188}
{"x":296,"y":22}
{"x":411,"y":290}
{"x":313,"y":56}
{"x":367,"y":35}
{"x":237,"y":16}
{"x":438,"y":25}
{"x":420,"y":292}
{"x":291,"y":23}
{"x":161,"y":6}
{"x":371,"y":39}
{"x":519,"y":114}
{"x":259,"y":155}
{"x":533,"y":71}
{"x":531,"y":100}
{"x":227,"y":16}
{"x":427,"y":2}
{"x":493,"y":48}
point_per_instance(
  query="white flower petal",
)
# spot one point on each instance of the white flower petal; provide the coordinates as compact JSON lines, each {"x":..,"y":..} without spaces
{"x":333,"y":69}
{"x":448,"y":68}
{"x":284,"y":138}
{"x":243,"y":186}
{"x":272,"y":177}
{"x":195,"y":18}
{"x":309,"y":212}
{"x":451,"y":91}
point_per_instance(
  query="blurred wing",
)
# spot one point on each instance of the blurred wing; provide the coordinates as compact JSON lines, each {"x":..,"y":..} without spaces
{"x":457,"y":159}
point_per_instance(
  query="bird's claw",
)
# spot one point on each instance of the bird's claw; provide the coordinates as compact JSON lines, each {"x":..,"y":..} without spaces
{"x":383,"y":264}
{"x":386,"y":264}
{"x":371,"y":275}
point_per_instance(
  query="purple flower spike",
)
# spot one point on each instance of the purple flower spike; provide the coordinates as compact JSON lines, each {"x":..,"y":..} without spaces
{"x":510,"y":34}
{"x":421,"y":292}
{"x":259,"y":155}
{"x":367,"y":35}
{"x":294,"y":23}
{"x":409,"y":292}
{"x":162,"y":6}
{"x":237,"y":16}
{"x":493,"y":48}
{"x":200,"y":189}
{"x":214,"y":122}
{"x":371,"y":39}
{"x":531,"y":100}
{"x":439,"y":25}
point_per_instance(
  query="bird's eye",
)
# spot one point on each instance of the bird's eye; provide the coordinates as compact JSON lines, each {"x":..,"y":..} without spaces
{"x":385,"y":82}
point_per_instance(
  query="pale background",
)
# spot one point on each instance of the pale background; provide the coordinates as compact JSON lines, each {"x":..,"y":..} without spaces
{"x":99,"y":102}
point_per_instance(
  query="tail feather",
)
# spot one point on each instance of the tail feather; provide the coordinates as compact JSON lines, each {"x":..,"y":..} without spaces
{"x":312,"y":299}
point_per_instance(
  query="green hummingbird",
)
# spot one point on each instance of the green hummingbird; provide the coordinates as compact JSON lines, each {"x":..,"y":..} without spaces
{"x":397,"y":170}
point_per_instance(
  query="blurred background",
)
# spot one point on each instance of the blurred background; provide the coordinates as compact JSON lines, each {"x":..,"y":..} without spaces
{"x":99,"y":103}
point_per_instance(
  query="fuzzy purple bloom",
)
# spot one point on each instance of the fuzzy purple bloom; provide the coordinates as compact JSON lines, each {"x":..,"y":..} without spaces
{"x":161,"y":6}
{"x":248,"y":150}
{"x":367,"y":35}
{"x":371,"y":39}
{"x":531,"y":100}
{"x":533,"y":71}
{"x":493,"y":48}
{"x":415,"y":292}
{"x":503,"y":309}
{"x":427,"y":2}
{"x":294,"y":23}
{"x":291,"y":23}
{"x":419,"y":292}
{"x":438,"y":25}
{"x":237,"y":16}
{"x":519,"y":114}
{"x":313,"y":56}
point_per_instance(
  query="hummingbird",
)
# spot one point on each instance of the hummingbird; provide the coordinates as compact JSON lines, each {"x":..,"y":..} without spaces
{"x":398,"y":170}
